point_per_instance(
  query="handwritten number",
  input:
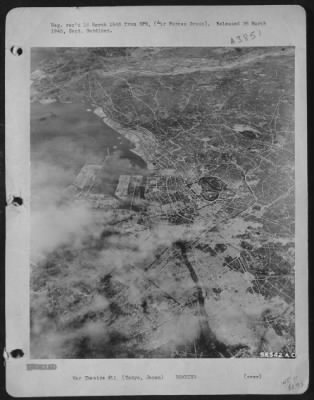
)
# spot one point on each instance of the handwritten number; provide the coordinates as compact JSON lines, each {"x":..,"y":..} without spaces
{"x":245,"y":37}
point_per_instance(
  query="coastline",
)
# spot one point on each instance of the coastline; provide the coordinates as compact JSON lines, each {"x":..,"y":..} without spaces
{"x":144,"y":141}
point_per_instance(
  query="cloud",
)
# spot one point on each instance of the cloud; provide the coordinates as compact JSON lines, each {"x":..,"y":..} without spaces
{"x":54,"y":226}
{"x":236,"y":319}
{"x":178,"y":330}
{"x":81,"y":247}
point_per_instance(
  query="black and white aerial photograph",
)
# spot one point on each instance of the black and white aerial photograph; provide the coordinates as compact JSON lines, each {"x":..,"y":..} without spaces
{"x":162,"y":202}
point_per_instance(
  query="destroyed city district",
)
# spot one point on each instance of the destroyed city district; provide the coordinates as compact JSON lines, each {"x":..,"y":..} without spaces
{"x":162,"y":202}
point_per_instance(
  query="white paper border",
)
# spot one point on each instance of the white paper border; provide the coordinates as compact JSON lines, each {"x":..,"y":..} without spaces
{"x":29,"y":27}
